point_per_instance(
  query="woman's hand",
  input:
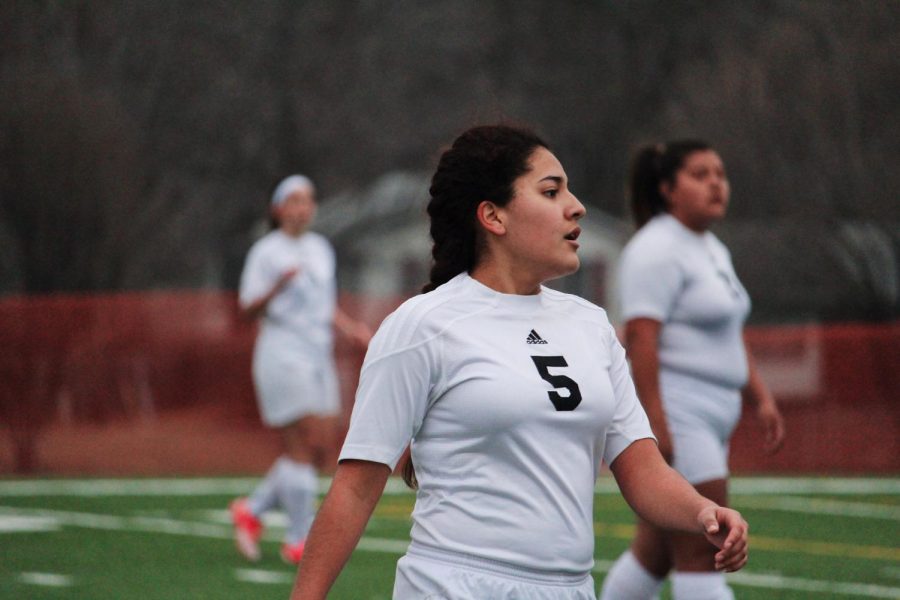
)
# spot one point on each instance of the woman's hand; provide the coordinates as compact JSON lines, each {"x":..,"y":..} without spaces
{"x":256,"y":308}
{"x":773,"y":425}
{"x":756,"y":393}
{"x":284,"y":279}
{"x":727,"y":530}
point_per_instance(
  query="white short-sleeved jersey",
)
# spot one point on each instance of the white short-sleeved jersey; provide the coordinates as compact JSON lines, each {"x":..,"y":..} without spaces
{"x":686,"y":281}
{"x":299,"y":319}
{"x":511,"y":402}
{"x":293,"y":366}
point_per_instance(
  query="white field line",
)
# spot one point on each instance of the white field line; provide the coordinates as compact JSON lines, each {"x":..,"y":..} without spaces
{"x":261,"y":576}
{"x":116,"y":523}
{"x":779,"y":582}
{"x":197,"y":486}
{"x":393,"y":546}
{"x":272,"y":518}
{"x":383,"y":545}
{"x":127,"y":487}
{"x":819,"y":506}
{"x":837,"y":486}
{"x":46,"y":579}
{"x":12,"y":523}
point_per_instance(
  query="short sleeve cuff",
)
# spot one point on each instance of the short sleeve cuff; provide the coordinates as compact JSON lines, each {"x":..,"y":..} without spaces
{"x":615,"y":445}
{"x":637,"y":311}
{"x":371,"y":454}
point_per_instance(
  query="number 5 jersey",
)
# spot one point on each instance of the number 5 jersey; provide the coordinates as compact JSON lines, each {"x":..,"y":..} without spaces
{"x":511,"y":402}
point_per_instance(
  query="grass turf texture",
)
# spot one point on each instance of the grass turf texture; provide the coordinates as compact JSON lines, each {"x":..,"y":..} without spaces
{"x":58,"y":545}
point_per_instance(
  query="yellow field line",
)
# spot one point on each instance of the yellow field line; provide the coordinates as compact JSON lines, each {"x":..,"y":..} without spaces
{"x":758,"y":542}
{"x":824,"y":548}
{"x":772,"y":544}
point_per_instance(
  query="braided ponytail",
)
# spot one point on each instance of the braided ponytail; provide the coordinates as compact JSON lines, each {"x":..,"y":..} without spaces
{"x":482,"y":164}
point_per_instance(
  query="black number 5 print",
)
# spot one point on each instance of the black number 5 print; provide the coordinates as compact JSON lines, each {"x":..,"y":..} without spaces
{"x":560,"y":382}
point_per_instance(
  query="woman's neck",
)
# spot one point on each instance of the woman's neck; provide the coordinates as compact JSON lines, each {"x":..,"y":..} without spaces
{"x":293,"y":232}
{"x":694,"y":225}
{"x":505,"y":281}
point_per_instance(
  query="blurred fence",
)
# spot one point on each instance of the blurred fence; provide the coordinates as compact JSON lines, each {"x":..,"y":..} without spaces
{"x":159,"y":383}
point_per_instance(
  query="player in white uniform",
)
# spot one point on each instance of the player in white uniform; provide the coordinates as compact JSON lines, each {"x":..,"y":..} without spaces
{"x":289,"y":283}
{"x":511,"y":393}
{"x":685,"y":310}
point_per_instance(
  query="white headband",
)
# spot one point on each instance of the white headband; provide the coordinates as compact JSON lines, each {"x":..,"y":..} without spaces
{"x":290,"y":185}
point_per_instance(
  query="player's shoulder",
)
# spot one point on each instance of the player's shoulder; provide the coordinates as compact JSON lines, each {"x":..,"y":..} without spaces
{"x":314,"y":237}
{"x":269,"y":242}
{"x":425,"y":316}
{"x":658,"y":242}
{"x":575,"y":306}
{"x":658,"y":233}
{"x":714,"y":241}
{"x":318,"y":244}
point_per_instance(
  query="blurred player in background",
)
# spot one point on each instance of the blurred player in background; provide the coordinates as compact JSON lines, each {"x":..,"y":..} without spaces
{"x":685,"y":309}
{"x":288,"y":282}
{"x":512,"y":395}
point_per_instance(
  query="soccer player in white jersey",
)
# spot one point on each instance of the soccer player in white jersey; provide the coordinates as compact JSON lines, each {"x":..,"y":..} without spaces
{"x":511,"y":393}
{"x":288,"y":282}
{"x":685,"y":309}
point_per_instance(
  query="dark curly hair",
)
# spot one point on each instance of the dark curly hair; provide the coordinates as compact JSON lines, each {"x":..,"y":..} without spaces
{"x":482,"y":164}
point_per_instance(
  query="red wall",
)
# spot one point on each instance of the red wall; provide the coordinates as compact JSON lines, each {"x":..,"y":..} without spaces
{"x":850,"y":422}
{"x":159,"y":383}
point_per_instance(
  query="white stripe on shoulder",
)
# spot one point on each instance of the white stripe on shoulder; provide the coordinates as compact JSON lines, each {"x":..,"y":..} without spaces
{"x":424,"y":318}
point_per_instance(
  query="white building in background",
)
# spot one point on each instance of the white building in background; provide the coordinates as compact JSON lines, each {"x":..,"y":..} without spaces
{"x":384,"y":248}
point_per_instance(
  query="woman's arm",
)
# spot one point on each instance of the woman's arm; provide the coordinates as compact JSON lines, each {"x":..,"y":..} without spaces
{"x":339,"y":524}
{"x":757,"y":395}
{"x":256,"y":308}
{"x":642,"y":345}
{"x":356,"y":331}
{"x":657,"y":493}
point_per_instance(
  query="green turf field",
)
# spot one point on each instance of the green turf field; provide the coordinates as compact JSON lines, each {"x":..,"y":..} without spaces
{"x":170,"y":538}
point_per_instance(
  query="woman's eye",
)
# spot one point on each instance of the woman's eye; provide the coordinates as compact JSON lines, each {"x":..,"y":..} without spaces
{"x":551,"y":193}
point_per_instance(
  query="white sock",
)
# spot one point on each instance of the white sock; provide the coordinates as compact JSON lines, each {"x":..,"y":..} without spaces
{"x":706,"y":585}
{"x":629,"y":580}
{"x":265,"y":496}
{"x":297,"y":495}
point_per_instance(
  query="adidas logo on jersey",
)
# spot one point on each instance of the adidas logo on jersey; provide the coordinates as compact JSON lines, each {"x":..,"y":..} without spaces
{"x":534,"y":338}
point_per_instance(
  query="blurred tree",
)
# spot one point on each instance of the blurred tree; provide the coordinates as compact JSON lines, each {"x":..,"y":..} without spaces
{"x":69,"y":184}
{"x":220,"y":100}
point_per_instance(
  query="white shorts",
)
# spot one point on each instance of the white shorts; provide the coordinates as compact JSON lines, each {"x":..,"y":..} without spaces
{"x":288,"y":387}
{"x":428,"y":574}
{"x":698,"y":455}
{"x":701,"y":417}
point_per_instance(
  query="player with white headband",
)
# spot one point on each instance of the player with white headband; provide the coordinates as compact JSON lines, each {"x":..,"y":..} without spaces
{"x":288,"y":283}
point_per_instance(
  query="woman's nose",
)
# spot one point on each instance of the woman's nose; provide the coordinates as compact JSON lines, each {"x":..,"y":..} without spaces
{"x":578,"y":210}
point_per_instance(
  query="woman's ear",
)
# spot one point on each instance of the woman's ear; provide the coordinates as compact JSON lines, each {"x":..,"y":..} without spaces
{"x":665,"y":190}
{"x":491,"y":217}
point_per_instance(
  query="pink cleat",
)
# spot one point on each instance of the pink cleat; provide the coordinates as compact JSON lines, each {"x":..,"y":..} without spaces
{"x":247,"y":529}
{"x":291,"y":553}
